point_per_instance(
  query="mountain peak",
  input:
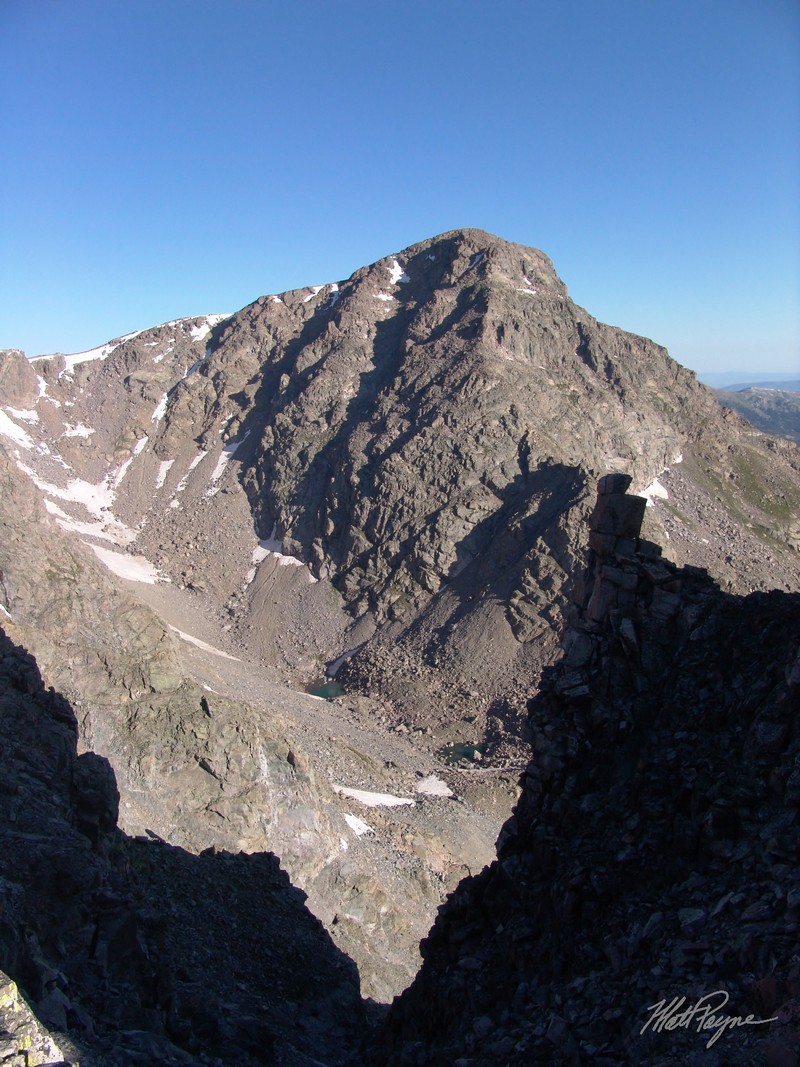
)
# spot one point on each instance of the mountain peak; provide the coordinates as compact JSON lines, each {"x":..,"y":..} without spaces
{"x":470,"y":248}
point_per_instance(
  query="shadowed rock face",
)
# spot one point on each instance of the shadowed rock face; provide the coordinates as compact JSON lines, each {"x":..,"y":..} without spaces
{"x":143,"y":951}
{"x":653,"y":852}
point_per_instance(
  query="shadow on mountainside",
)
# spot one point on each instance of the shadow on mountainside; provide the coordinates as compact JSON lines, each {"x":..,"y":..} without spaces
{"x":274,"y":406}
{"x":142,"y":952}
{"x":325,"y":454}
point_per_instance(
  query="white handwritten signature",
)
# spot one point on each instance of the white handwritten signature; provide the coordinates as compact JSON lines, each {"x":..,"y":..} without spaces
{"x":705,"y":1013}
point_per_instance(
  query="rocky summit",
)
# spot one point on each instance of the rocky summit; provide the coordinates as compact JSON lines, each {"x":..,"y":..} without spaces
{"x":299,"y":602}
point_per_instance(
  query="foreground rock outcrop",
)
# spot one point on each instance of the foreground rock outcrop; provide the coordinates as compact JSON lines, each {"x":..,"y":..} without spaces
{"x":24,"y":1042}
{"x":654,"y":851}
{"x":132,"y":951}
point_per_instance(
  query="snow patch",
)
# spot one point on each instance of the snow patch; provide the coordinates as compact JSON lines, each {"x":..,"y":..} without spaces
{"x":199,"y":333}
{"x":397,"y":274}
{"x":85,"y":529}
{"x":163,"y":471}
{"x":272,"y":547}
{"x":654,"y":489}
{"x":77,"y":431}
{"x":314,"y":290}
{"x":372,"y":800}
{"x":6,"y":612}
{"x":334,"y":667}
{"x":358,"y":826}
{"x":129,"y":336}
{"x":24,"y":415}
{"x":161,"y":409}
{"x":134,"y":568}
{"x":97,"y":500}
{"x":116,"y":478}
{"x":208,"y":648}
{"x":43,"y":394}
{"x":383,"y":296}
{"x":531,"y":291}
{"x":8,"y":428}
{"x":433,"y":787}
{"x":182,"y":483}
{"x":477,"y":258}
{"x":101,"y":352}
{"x":228,"y":452}
{"x":197,"y":363}
{"x":72,"y":361}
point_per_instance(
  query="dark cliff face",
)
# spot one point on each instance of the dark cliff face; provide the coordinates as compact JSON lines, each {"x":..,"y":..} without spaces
{"x":653,"y":852}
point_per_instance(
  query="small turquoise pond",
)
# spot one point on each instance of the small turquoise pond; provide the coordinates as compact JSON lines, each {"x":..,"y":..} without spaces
{"x":452,"y":754}
{"x":326,"y":690}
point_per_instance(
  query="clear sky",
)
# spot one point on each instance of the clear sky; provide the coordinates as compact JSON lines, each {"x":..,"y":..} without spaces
{"x":163,"y":158}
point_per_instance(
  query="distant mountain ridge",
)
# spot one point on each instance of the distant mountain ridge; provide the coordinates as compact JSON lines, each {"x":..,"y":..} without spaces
{"x":791,"y":385}
{"x":733,"y":380}
{"x":387,"y":430}
{"x":770,"y":408}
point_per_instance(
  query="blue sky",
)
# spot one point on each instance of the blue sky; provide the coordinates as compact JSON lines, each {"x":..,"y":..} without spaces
{"x":164,"y":158}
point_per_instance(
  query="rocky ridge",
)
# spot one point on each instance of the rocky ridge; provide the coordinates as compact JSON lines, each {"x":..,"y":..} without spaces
{"x":653,"y":852}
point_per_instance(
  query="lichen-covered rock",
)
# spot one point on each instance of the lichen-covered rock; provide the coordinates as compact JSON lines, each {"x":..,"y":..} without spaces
{"x":24,"y":1042}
